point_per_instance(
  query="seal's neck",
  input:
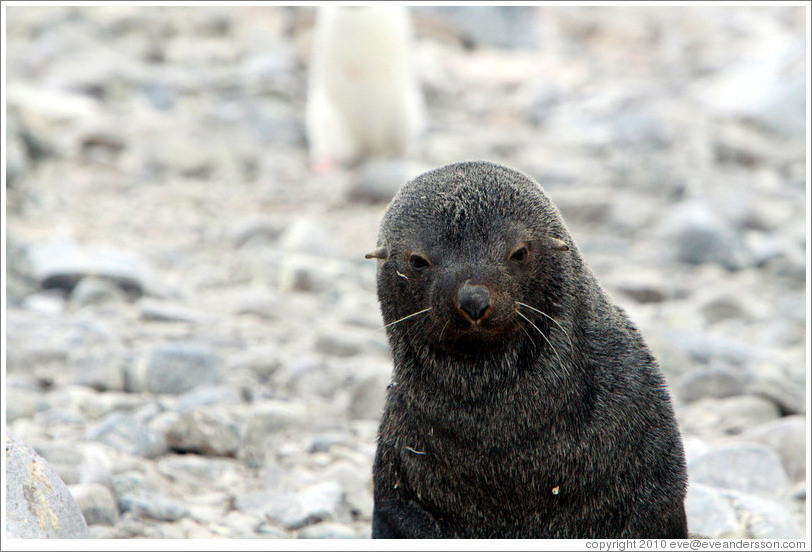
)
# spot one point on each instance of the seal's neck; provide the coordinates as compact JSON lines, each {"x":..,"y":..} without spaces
{"x":433,"y":375}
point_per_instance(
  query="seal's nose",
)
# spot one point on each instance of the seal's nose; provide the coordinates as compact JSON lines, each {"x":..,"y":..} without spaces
{"x":474,"y":300}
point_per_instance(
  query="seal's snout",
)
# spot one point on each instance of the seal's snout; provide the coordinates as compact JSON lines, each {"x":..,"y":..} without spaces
{"x":474,"y":300}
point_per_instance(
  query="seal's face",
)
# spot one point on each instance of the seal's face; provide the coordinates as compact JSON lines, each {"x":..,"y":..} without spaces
{"x":471,"y":291}
{"x":463,"y":252}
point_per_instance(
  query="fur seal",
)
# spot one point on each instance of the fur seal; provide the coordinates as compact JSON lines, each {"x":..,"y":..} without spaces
{"x":364,"y":99}
{"x":524,"y":403}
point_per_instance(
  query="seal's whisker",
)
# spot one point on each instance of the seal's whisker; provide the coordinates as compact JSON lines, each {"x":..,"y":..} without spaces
{"x":550,"y":318}
{"x":419,"y":330}
{"x":402,"y":319}
{"x":442,"y":332}
{"x":544,"y":336}
{"x":526,"y":332}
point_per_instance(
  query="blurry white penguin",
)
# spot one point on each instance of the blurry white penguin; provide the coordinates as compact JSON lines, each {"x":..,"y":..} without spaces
{"x":364,"y":100}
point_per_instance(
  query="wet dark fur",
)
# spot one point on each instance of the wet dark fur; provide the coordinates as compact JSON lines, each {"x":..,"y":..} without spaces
{"x":501,"y":432}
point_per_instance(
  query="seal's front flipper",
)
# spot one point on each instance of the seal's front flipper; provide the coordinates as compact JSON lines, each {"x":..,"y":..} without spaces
{"x":396,"y":518}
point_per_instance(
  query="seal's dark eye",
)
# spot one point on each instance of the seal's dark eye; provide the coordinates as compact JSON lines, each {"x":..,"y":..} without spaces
{"x":519,"y":255}
{"x":418,"y":262}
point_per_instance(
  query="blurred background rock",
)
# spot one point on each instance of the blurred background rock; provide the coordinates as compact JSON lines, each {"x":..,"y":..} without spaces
{"x":191,"y":326}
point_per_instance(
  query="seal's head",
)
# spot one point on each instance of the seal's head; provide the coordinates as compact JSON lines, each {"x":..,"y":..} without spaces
{"x":466,"y":252}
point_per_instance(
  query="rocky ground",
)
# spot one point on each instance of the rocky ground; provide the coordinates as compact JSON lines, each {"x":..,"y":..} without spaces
{"x":192,"y":333}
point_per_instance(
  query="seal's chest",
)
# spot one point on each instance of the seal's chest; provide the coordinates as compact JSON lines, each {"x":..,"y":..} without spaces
{"x":480,"y":479}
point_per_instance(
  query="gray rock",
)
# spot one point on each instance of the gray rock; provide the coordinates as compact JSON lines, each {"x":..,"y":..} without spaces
{"x":327,"y":530}
{"x":102,"y":146}
{"x":309,"y":237}
{"x":637,"y":123}
{"x":175,"y":368}
{"x":78,"y":463}
{"x":730,"y":415}
{"x":96,"y":502}
{"x":338,"y":344}
{"x":261,"y":362}
{"x":706,"y":347}
{"x":356,"y":482}
{"x":367,"y":393}
{"x":266,"y":429}
{"x":68,"y":460}
{"x":378,"y":180}
{"x":38,"y":504}
{"x":260,"y":303}
{"x":51,"y":106}
{"x":700,"y":236}
{"x":211,"y":431}
{"x":544,"y":95}
{"x":97,"y":465}
{"x":280,"y":127}
{"x":92,"y":405}
{"x":710,"y":513}
{"x":178,"y":154}
{"x":53,"y":348}
{"x":46,"y":302}
{"x":724,"y":307}
{"x":268,"y":530}
{"x":743,"y":145}
{"x":799,"y":493}
{"x":125,"y":433}
{"x":139,"y":481}
{"x":101,"y":366}
{"x":743,"y":467}
{"x":792,"y":310}
{"x":91,"y":290}
{"x":153,"y":310}
{"x":59,"y":417}
{"x":787,"y":436}
{"x":715,"y":382}
{"x":154,"y":507}
{"x":18,"y":283}
{"x":164,"y":423}
{"x":104,"y":532}
{"x":501,"y":27}
{"x":311,"y":377}
{"x":785,"y":334}
{"x":314,"y":504}
{"x":190,"y":469}
{"x":361,"y":311}
{"x":235,"y":524}
{"x":221,"y":395}
{"x":783,"y":383}
{"x":769,"y":215}
{"x":324,"y":441}
{"x":257,"y":233}
{"x":773,"y":75}
{"x":299,"y":273}
{"x":675,"y":361}
{"x":62,"y":264}
{"x":22,"y":403}
{"x":764,"y":518}
{"x":643,"y":288}
{"x":311,"y":273}
{"x":17,"y":160}
{"x":784,"y":259}
{"x":583,"y":205}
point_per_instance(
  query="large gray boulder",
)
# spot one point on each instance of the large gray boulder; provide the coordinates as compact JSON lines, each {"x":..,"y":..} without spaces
{"x":39,"y":505}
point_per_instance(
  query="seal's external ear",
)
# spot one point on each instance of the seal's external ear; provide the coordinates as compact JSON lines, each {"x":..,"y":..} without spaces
{"x":557,"y":244}
{"x":378,"y":253}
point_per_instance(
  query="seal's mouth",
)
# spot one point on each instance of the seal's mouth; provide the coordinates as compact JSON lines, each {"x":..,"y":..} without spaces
{"x":474,"y":336}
